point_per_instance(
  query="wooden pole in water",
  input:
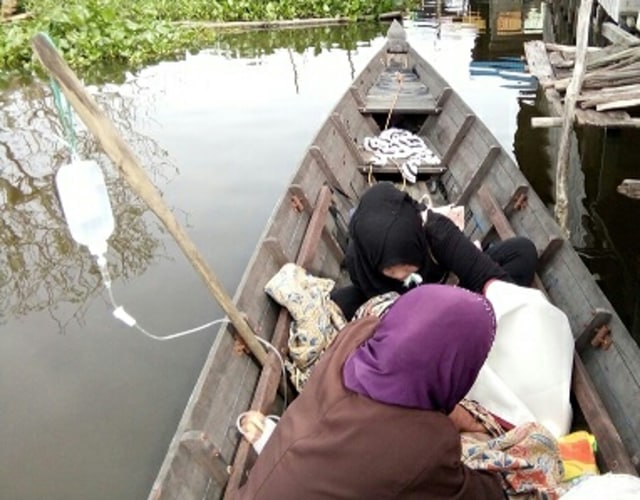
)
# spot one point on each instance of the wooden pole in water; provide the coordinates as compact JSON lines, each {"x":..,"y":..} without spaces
{"x":562,"y":162}
{"x":125,"y":159}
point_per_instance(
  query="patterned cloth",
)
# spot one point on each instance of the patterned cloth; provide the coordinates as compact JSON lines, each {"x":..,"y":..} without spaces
{"x":316,"y":318}
{"x":376,"y":306}
{"x":482,"y":416}
{"x":527,"y":458}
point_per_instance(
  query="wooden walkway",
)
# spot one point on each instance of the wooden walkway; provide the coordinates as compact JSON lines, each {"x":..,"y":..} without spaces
{"x":611,"y":82}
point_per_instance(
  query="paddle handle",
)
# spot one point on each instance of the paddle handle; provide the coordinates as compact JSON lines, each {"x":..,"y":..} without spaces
{"x":125,"y":160}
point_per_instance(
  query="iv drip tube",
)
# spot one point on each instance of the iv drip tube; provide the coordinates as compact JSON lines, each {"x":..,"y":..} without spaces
{"x":126,"y":318}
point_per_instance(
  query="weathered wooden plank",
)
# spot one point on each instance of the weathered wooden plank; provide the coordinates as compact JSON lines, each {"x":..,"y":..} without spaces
{"x":404,"y":105}
{"x":538,"y":62}
{"x":324,"y":199}
{"x":315,"y":229}
{"x":349,"y":142}
{"x":478,"y":176}
{"x":546,"y":121}
{"x":549,"y":252}
{"x":621,"y":103}
{"x":357,"y":96}
{"x":445,"y":128}
{"x":432,"y":120}
{"x":614,"y":454}
{"x":205,"y":453}
{"x":400,"y":90}
{"x":460,"y":136}
{"x":275,"y":249}
{"x":615,"y":34}
{"x":426,"y":73}
{"x":262,"y":401}
{"x":331,"y":178}
{"x":391,"y":170}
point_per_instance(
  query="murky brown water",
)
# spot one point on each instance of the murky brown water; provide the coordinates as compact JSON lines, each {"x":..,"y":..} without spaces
{"x":88,"y":406}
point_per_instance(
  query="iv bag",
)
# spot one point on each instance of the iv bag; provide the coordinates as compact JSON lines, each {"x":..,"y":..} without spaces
{"x":85,"y":203}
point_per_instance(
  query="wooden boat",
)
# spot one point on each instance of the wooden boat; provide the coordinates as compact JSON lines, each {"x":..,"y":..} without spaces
{"x":207,"y":458}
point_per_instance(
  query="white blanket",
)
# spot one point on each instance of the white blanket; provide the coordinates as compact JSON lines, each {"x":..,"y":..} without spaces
{"x":527,"y":376}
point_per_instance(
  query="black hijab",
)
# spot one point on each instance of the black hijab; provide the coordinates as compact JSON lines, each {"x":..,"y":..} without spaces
{"x":385,"y":230}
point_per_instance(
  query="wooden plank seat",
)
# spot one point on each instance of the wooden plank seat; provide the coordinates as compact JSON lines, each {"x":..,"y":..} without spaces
{"x":401,"y":90}
{"x":611,"y":451}
{"x":393,"y":170}
{"x":265,"y":393}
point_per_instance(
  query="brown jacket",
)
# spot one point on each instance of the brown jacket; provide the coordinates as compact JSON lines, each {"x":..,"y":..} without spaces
{"x":334,"y":443}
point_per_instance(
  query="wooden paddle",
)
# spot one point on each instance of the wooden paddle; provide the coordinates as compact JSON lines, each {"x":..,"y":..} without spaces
{"x":125,"y":160}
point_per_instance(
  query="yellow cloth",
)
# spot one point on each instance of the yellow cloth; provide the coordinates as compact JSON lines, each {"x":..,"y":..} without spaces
{"x":577,"y":451}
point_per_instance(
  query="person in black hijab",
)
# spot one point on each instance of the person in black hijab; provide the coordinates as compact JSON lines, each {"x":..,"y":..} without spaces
{"x":390,"y":249}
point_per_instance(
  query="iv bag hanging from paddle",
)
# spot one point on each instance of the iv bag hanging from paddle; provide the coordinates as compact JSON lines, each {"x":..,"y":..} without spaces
{"x":85,"y":203}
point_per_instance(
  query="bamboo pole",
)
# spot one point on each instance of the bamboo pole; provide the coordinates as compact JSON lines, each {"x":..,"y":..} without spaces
{"x":125,"y":160}
{"x":562,"y":162}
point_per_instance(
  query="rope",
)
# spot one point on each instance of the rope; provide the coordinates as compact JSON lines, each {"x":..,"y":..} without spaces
{"x":64,"y":110}
{"x":399,"y":79}
{"x":399,"y":167}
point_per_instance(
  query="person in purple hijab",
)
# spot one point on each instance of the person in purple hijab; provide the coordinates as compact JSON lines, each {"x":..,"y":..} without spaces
{"x":373,"y":419}
{"x":427,"y":351}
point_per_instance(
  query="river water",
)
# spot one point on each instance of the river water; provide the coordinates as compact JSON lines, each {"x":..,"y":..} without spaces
{"x":87,"y":405}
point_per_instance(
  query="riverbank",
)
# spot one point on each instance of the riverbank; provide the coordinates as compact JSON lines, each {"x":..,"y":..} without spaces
{"x":94,"y":34}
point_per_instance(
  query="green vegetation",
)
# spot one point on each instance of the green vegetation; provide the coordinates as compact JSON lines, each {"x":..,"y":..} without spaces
{"x":94,"y":34}
{"x":255,"y":43}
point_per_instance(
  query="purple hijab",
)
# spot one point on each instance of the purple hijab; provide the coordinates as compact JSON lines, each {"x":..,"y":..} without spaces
{"x":427,"y":350}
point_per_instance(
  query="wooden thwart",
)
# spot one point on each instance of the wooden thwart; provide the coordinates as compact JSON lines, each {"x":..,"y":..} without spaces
{"x":391,"y":170}
{"x":552,"y":248}
{"x":458,"y":138}
{"x":322,"y":207}
{"x":399,"y":90}
{"x":478,"y":176}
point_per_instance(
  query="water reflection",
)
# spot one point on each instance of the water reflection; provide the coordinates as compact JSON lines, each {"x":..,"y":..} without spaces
{"x":41,"y":266}
{"x":254,"y":44}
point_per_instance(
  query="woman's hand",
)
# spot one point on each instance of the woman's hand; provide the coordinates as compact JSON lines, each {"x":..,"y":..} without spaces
{"x":464,"y":421}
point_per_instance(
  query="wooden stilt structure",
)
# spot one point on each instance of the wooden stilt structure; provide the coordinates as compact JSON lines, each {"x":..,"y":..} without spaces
{"x":594,"y":86}
{"x":562,"y":163}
